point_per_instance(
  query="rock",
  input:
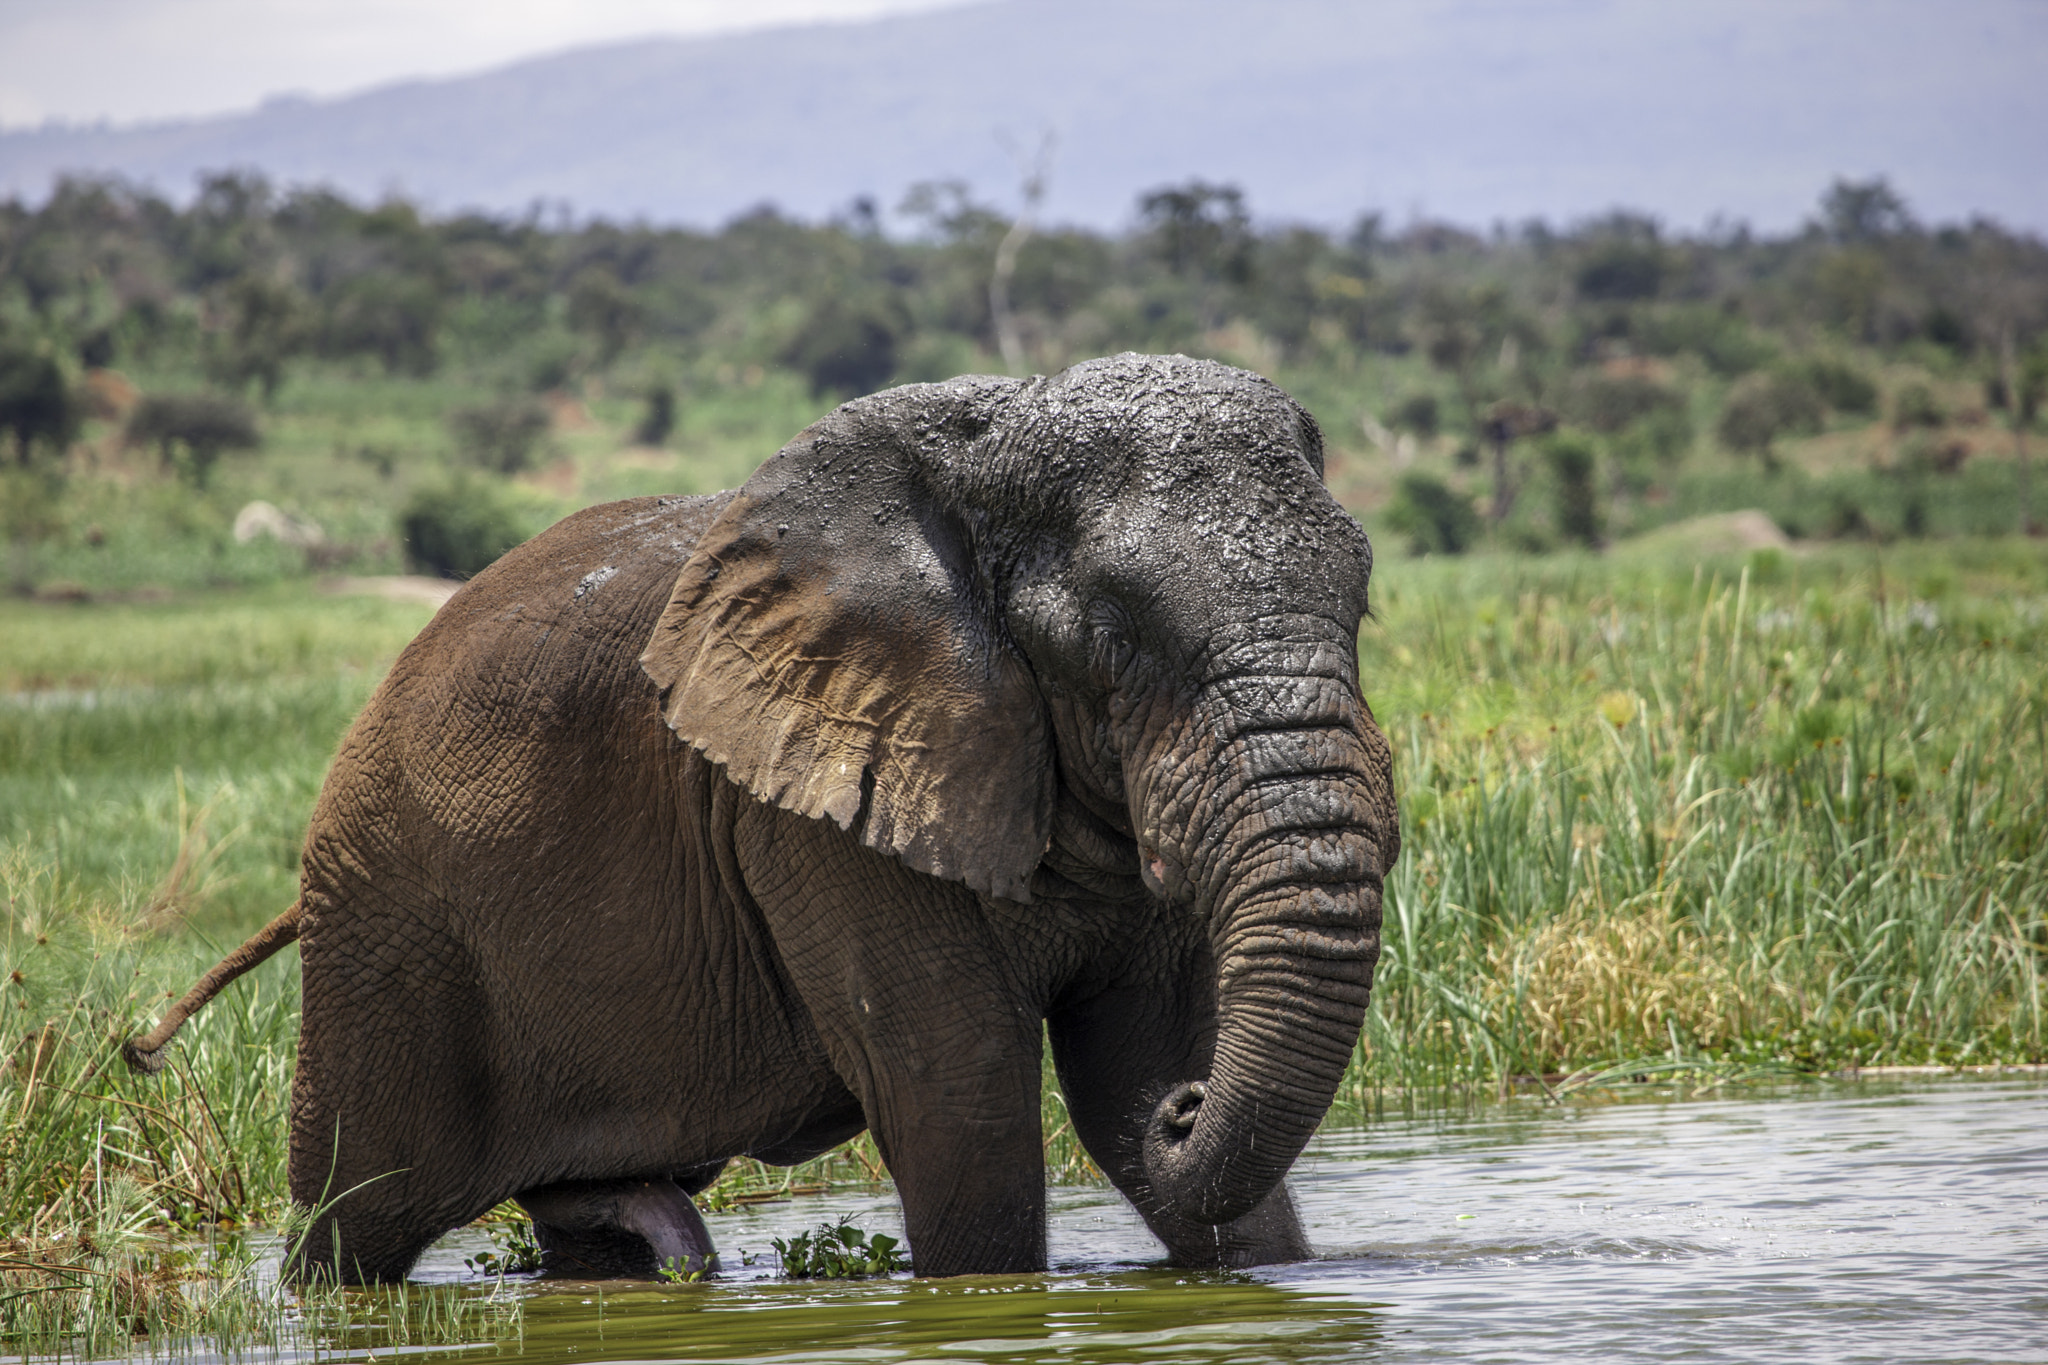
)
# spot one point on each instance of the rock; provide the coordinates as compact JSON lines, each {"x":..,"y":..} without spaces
{"x":260,"y":518}
{"x":1719,"y":533}
{"x":394,"y":588}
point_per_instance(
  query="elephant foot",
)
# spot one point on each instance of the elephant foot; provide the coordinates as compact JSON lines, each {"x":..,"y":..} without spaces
{"x":618,"y":1229}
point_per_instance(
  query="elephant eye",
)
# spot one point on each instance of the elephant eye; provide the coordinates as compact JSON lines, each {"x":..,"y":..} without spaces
{"x":1111,"y":655}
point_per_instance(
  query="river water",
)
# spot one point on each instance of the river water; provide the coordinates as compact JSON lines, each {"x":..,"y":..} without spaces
{"x":1846,"y":1222}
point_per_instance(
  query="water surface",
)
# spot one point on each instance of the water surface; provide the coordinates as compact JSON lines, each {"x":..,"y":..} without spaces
{"x":1837,"y":1223}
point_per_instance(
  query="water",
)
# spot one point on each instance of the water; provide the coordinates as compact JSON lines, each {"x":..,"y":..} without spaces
{"x":1839,"y":1223}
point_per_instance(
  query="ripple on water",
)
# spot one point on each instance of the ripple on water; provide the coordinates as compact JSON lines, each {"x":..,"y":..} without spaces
{"x":1836,"y":1223}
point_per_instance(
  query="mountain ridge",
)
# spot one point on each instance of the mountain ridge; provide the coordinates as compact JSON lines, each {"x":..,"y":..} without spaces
{"x":1472,"y":110}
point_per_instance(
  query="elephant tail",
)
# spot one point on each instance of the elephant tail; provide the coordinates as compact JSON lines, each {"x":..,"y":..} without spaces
{"x":145,"y":1055}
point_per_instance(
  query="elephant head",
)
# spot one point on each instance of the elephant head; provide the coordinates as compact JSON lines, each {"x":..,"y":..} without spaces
{"x":1059,"y":637}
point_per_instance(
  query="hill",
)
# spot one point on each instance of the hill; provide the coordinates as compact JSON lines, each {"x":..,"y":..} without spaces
{"x":1470,"y":111}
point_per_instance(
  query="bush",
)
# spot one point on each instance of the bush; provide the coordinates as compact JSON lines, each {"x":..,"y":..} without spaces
{"x":659,"y":419}
{"x":37,"y":406}
{"x":1419,"y":413}
{"x":1578,"y":506}
{"x":1607,"y":403}
{"x":455,"y":530}
{"x":1763,"y":407}
{"x":502,"y":437}
{"x":1436,"y":517}
{"x":1842,"y":387}
{"x":192,"y":430}
{"x":1916,"y":406}
{"x":1723,"y":340}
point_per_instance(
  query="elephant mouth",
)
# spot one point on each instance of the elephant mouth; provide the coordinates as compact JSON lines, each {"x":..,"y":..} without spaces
{"x":1162,"y":875}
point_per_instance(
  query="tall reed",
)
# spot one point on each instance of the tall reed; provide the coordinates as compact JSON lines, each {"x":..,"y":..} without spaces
{"x":1712,"y":822}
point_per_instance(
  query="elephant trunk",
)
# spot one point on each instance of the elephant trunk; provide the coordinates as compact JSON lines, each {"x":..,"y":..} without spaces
{"x":1285,"y":855}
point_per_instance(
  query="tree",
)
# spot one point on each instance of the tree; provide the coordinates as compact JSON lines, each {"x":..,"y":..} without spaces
{"x":2020,"y":391}
{"x":192,"y":430}
{"x":37,"y":406}
{"x":1626,"y":264}
{"x":603,"y":308}
{"x":1853,"y":211}
{"x":848,"y":344}
{"x":261,"y":324}
{"x":394,"y":317}
{"x":1032,"y":192}
{"x":1503,"y":424}
{"x":1200,"y":230}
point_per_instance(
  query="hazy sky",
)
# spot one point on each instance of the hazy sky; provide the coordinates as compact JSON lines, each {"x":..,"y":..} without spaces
{"x":129,"y":60}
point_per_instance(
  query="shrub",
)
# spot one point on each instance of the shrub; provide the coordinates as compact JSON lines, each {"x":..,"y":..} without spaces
{"x":1436,"y":517}
{"x":37,"y":407}
{"x":1419,"y":413}
{"x":1607,"y":403}
{"x":503,"y":436}
{"x":192,"y":430}
{"x":455,"y":530}
{"x":1650,"y":448}
{"x":1763,"y":407}
{"x":1842,"y":387}
{"x":659,"y":418}
{"x":1916,"y":406}
{"x":1723,"y":340}
{"x":1578,"y":506}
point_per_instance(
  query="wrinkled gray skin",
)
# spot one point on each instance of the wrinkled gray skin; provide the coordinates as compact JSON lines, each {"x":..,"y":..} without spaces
{"x":699,"y":827}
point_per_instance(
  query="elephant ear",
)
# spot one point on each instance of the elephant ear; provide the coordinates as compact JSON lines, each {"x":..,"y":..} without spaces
{"x":834,"y":645}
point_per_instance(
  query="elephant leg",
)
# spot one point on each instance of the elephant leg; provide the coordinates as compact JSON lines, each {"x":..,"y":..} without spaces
{"x":1118,"y":1053}
{"x":961,"y":1139}
{"x":392,"y":1139}
{"x":932,"y":1028}
{"x":618,"y":1229}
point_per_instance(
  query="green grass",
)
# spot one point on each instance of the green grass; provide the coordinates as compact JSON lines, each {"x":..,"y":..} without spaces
{"x":169,"y":753}
{"x":1786,"y":814}
{"x":1754,"y":816}
{"x":347,"y":447}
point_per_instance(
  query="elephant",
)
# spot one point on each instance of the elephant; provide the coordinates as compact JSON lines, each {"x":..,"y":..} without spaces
{"x":986,"y":714}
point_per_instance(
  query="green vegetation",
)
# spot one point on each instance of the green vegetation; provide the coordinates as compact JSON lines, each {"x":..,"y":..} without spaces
{"x":838,"y":1251}
{"x":1777,"y":815}
{"x":162,"y":367}
{"x":1666,"y":811}
{"x":1697,"y":804}
{"x":514,"y":1249}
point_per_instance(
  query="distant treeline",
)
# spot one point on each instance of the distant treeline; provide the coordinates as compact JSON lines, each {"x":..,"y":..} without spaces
{"x":1612,"y":332}
{"x":248,"y":281}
